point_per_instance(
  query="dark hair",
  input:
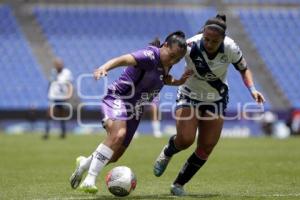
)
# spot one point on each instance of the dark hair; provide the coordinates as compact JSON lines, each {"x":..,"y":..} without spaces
{"x":177,"y":37}
{"x":217,"y":23}
{"x":155,"y":42}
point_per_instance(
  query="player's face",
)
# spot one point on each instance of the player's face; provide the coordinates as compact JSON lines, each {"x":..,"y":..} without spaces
{"x":212,"y":40}
{"x":172,"y":54}
{"x":58,"y":66}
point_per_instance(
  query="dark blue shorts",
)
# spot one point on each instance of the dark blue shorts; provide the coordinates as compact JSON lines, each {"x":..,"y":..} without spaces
{"x":60,"y":104}
{"x":217,"y":107}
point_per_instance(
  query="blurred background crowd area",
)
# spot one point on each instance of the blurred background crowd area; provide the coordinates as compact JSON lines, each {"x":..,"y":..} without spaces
{"x":86,"y":33}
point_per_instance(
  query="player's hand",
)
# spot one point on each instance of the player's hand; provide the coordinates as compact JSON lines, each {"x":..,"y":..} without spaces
{"x":258,"y":97}
{"x":168,"y":80}
{"x":100,"y":72}
{"x":187,"y":73}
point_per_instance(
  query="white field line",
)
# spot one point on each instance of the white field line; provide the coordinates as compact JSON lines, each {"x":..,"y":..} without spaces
{"x":99,"y":197}
{"x":70,"y":198}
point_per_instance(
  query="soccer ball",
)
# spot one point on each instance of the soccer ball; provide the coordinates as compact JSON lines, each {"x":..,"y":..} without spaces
{"x":120,"y":181}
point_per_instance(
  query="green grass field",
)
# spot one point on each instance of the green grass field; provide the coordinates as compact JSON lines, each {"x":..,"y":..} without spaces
{"x":256,"y":168}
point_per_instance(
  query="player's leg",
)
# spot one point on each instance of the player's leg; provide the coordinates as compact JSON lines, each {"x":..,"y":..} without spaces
{"x":208,"y":137}
{"x":155,"y":121}
{"x":120,"y":134}
{"x":117,"y":154}
{"x":62,"y":110}
{"x":186,"y":127}
{"x":63,"y":129}
{"x":116,"y":124}
{"x":47,"y":125}
{"x":116,"y":131}
{"x":131,"y":127}
{"x":84,"y":163}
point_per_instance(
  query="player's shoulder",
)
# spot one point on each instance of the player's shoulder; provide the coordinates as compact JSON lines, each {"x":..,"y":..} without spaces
{"x":151,"y":52}
{"x":231,"y":49}
{"x":230,"y":44}
{"x":66,"y":71}
{"x":195,"y":38}
{"x":151,"y":48}
{"x":67,"y":74}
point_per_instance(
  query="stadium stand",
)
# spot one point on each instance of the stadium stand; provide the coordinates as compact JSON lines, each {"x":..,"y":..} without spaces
{"x":22,"y":84}
{"x":265,"y":2}
{"x":275,"y":34}
{"x":86,"y":37}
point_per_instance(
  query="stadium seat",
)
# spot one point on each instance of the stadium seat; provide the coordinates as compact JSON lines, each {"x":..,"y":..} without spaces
{"x":278,"y":32}
{"x":87,"y":37}
{"x":263,"y":2}
{"x":23,"y":82}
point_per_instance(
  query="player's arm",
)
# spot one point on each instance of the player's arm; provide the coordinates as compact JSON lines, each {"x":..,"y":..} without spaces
{"x":170,"y":80}
{"x":124,"y":60}
{"x":240,"y":64}
{"x":248,"y":81}
{"x":70,"y":90}
{"x":51,"y":78}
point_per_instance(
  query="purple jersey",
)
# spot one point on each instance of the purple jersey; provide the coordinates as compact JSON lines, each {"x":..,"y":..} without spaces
{"x":136,"y":87}
{"x":141,"y":83}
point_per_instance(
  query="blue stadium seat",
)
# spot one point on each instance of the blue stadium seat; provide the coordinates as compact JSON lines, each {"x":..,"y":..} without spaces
{"x":278,"y":45}
{"x":265,"y":2}
{"x":87,"y":37}
{"x":22,"y":80}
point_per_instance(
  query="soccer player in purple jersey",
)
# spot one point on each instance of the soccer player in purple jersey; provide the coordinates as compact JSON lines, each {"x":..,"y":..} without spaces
{"x":123,"y":105}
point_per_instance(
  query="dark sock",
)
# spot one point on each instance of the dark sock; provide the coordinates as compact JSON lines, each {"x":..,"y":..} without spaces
{"x":190,"y":168}
{"x":171,"y":148}
{"x":63,"y":128}
{"x":47,"y":129}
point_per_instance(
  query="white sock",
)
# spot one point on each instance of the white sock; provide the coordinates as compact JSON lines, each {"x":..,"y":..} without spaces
{"x":100,"y":158}
{"x":156,"y":128}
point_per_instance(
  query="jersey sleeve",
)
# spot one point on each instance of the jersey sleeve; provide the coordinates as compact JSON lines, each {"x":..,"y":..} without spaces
{"x":237,"y":57}
{"x":145,"y":59}
{"x":69,"y":76}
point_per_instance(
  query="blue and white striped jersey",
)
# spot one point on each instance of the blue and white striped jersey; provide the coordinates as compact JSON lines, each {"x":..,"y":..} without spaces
{"x":206,"y":71}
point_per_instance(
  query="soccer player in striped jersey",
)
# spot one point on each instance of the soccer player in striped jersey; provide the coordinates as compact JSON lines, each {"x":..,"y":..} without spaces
{"x":204,"y":96}
{"x":139,"y":84}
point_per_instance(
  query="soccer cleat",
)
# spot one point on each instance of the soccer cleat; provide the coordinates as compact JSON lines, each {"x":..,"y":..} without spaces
{"x":161,"y":163}
{"x":157,"y":134}
{"x":76,"y":177}
{"x":92,"y":189}
{"x":177,"y":190}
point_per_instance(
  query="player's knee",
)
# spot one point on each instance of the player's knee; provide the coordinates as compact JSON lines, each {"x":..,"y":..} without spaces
{"x":183,"y":143}
{"x":118,"y":139}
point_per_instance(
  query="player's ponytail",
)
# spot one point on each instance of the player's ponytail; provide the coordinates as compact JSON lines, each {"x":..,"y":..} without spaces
{"x":155,"y":42}
{"x":221,"y":17}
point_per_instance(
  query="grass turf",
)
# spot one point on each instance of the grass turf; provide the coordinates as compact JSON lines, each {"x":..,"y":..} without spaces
{"x":255,"y":168}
